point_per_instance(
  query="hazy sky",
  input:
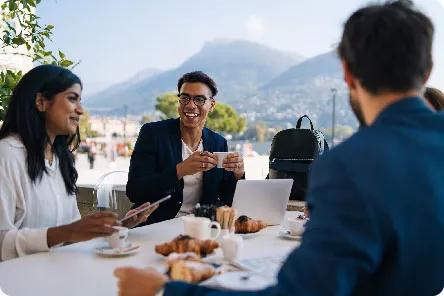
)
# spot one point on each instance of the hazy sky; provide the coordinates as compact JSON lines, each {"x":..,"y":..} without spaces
{"x":116,"y":39}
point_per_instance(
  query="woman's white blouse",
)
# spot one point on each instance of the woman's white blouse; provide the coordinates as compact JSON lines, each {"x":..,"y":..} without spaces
{"x":28,"y":209}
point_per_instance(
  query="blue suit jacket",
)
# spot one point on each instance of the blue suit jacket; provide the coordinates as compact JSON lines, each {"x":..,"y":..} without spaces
{"x":153,"y":174}
{"x":377,"y":214}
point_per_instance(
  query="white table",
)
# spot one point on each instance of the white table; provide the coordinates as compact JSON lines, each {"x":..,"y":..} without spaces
{"x":75,"y":270}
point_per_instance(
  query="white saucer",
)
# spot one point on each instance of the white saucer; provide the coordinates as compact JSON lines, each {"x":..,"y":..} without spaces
{"x":234,"y":281}
{"x":286,"y":234}
{"x":248,"y":235}
{"x":105,"y":250}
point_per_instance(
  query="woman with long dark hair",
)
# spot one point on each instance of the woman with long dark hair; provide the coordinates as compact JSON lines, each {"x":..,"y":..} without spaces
{"x":38,"y":208}
{"x":435,"y":98}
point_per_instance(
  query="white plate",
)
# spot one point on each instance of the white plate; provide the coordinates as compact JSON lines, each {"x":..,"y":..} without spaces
{"x":286,"y":234}
{"x":234,"y":281}
{"x":248,"y":235}
{"x":105,"y":250}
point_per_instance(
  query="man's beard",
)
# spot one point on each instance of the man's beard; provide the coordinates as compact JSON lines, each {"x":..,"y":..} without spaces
{"x":356,"y":107}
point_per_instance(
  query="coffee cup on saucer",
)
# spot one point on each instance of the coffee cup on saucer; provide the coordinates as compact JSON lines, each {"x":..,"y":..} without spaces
{"x":118,"y":238}
{"x":296,"y":225}
{"x":200,"y":227}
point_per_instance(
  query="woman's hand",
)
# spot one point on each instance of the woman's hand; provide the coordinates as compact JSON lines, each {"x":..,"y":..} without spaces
{"x":96,"y":225}
{"x":140,"y":218}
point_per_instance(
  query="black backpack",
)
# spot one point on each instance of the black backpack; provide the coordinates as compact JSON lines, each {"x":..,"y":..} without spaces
{"x":292,"y":153}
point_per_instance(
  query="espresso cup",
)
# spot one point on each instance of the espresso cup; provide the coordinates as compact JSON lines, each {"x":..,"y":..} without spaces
{"x":297,"y":226}
{"x":220,"y":157}
{"x":231,"y":245}
{"x":118,"y":239}
{"x":200,"y":227}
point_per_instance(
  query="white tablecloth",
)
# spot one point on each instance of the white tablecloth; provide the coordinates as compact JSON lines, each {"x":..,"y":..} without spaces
{"x":76,"y":270}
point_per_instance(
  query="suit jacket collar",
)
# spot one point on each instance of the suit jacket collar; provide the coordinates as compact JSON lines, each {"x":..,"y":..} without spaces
{"x":176,"y":140}
{"x":404,"y":108}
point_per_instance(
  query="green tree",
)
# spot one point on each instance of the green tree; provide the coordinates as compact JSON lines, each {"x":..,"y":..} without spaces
{"x":261,"y":131}
{"x":85,"y":127}
{"x":224,"y":119}
{"x":20,"y":28}
{"x":342,"y":132}
{"x":167,"y":104}
{"x":146,"y":119}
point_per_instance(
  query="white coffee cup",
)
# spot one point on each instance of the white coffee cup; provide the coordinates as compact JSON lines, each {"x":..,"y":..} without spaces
{"x":118,"y":239}
{"x":297,"y":226}
{"x":200,"y":227}
{"x":231,"y":245}
{"x":223,"y":232}
{"x":220,"y":157}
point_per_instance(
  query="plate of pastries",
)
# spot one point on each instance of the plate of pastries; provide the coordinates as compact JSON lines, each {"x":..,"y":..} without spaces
{"x":243,"y":225}
{"x":187,"y":244}
{"x":190,"y":268}
{"x":247,"y":227}
{"x":184,"y":256}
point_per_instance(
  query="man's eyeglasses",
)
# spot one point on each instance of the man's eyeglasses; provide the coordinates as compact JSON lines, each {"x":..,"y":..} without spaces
{"x":199,"y":100}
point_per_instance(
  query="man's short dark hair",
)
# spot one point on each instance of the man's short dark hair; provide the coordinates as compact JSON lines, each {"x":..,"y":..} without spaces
{"x":198,"y":76}
{"x":388,"y":47}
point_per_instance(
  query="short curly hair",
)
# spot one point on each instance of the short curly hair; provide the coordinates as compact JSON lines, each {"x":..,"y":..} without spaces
{"x":195,"y":77}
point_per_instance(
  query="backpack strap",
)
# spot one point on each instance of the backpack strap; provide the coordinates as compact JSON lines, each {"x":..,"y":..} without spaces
{"x":289,"y":165}
{"x":299,"y":123}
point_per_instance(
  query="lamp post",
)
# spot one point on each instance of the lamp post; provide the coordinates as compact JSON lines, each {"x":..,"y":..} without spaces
{"x":333,"y":91}
{"x":125,"y":110}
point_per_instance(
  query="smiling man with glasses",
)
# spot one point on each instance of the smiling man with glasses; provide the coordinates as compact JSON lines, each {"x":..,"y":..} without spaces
{"x":175,"y":156}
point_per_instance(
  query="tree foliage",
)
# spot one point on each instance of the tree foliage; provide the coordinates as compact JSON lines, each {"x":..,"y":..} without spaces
{"x":20,"y":28}
{"x":167,"y":105}
{"x":261,"y":131}
{"x":223,"y":119}
{"x":85,"y":127}
{"x":146,"y":119}
{"x":342,"y":132}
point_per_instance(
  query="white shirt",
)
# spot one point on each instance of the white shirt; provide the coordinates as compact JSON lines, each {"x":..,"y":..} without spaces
{"x":28,"y":209}
{"x":193,"y":184}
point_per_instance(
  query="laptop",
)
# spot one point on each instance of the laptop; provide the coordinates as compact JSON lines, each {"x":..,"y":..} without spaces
{"x":264,"y":200}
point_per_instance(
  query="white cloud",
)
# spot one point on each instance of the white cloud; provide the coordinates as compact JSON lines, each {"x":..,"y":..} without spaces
{"x":441,"y":2}
{"x":255,"y":24}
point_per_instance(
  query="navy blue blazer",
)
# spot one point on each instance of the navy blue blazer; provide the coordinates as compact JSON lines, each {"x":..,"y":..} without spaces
{"x":377,"y":214}
{"x":152,"y":172}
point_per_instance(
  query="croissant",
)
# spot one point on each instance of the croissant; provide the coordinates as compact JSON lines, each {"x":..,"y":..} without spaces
{"x":245,"y":224}
{"x":184,"y":244}
{"x":191,"y":272}
{"x":189,"y":256}
{"x":207,"y":246}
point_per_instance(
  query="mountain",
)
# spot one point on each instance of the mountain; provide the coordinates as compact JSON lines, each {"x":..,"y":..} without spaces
{"x":324,"y":65}
{"x":98,"y":101}
{"x":303,"y":89}
{"x":238,"y":67}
